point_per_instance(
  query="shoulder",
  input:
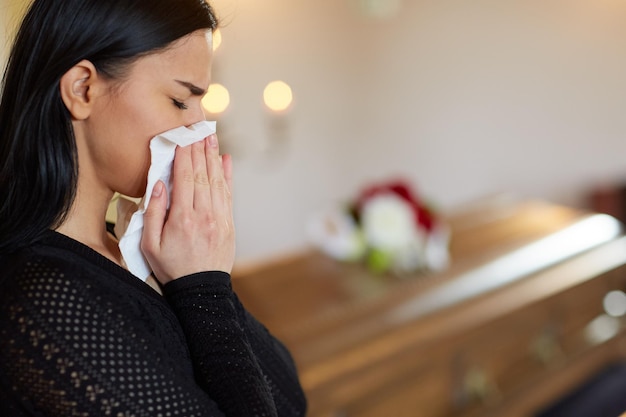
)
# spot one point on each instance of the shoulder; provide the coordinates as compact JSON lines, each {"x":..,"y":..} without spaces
{"x":51,"y":289}
{"x":28,"y":268}
{"x":68,"y":324}
{"x":32,"y":269}
{"x":57,"y":277}
{"x":59,"y":260}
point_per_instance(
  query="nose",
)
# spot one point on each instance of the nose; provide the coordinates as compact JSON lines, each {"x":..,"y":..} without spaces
{"x":194,"y":115}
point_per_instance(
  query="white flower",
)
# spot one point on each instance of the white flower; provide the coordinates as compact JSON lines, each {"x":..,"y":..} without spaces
{"x":436,"y":251}
{"x":409,"y":258}
{"x":387,"y":235}
{"x":389,"y":223}
{"x":335,"y":233}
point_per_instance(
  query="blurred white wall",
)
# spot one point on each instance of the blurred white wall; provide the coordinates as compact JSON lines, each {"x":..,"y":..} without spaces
{"x":465,"y":98}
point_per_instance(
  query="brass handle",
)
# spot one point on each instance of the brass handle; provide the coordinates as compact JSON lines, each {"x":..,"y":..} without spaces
{"x":545,"y":348}
{"x":478,"y":386}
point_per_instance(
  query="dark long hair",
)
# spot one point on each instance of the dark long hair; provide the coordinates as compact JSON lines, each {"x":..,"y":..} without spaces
{"x":38,"y":158}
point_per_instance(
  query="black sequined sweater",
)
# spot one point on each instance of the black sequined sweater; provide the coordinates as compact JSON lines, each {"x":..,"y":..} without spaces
{"x":81,"y":336}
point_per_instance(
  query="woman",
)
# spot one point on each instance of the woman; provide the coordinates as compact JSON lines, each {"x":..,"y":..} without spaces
{"x":88,"y":84}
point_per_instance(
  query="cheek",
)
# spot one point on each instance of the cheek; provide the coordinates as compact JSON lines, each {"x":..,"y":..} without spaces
{"x":131,"y":168}
{"x":125,"y":128}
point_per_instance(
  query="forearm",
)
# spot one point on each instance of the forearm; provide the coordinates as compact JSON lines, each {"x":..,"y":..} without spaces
{"x":226,"y":365}
{"x":276,"y":363}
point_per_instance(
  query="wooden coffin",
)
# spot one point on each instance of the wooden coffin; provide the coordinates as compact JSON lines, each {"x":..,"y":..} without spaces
{"x":504,"y":331}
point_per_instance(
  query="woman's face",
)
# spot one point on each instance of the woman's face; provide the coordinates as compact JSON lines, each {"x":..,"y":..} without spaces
{"x":161,"y":91}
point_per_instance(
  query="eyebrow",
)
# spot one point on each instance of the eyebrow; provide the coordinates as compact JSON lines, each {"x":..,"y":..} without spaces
{"x":194,"y":89}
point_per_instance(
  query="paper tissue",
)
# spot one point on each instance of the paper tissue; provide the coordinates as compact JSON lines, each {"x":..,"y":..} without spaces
{"x":162,"y":151}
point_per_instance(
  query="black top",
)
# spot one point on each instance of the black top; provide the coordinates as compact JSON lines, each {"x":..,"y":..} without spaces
{"x":81,"y":336}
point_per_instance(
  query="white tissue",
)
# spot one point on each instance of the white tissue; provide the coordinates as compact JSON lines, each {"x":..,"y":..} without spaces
{"x":162,"y":151}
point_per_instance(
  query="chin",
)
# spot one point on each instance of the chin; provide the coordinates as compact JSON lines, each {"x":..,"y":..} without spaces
{"x":138,"y":194}
{"x":137,"y":191}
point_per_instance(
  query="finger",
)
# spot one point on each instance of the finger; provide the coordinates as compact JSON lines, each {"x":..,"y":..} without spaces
{"x":182,"y":181}
{"x":227,"y":166}
{"x":216,"y":173}
{"x":153,"y":221}
{"x":202,"y":191}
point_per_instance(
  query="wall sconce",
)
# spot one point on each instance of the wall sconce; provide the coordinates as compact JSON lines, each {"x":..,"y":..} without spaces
{"x":215,"y":102}
{"x":278,"y":98}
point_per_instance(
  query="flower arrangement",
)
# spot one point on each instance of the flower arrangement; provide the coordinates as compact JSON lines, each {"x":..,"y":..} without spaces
{"x":388,"y":228}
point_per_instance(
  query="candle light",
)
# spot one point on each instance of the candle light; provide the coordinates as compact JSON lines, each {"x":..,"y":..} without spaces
{"x":277,"y":96}
{"x":217,"y":99}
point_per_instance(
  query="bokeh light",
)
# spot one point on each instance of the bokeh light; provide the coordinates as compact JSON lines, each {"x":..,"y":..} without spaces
{"x":615,"y":303}
{"x":217,"y":39}
{"x":277,"y":96}
{"x":217,"y":99}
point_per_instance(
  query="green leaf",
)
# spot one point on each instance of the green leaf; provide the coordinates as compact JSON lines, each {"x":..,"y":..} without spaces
{"x":378,"y":261}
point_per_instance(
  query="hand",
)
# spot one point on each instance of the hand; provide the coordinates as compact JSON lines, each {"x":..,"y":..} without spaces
{"x":197,"y":234}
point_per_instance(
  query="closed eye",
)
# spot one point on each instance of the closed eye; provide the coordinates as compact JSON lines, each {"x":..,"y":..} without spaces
{"x":179,"y":104}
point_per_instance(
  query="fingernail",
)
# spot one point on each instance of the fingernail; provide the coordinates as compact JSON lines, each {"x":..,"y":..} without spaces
{"x":158,"y":189}
{"x":213,"y":141}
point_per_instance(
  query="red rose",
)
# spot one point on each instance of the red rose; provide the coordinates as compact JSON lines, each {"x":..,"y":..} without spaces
{"x":423,"y":216}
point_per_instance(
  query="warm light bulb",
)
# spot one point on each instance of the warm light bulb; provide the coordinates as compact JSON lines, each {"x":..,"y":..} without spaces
{"x":277,"y":96}
{"x":217,"y":39}
{"x":217,"y":99}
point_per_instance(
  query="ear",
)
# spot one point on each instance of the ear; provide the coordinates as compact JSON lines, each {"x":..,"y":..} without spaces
{"x":79,"y":88}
